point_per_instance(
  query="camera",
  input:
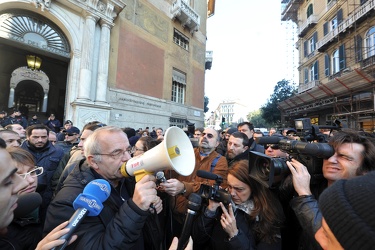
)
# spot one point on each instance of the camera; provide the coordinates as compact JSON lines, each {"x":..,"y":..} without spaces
{"x":310,"y":150}
{"x":213,"y":192}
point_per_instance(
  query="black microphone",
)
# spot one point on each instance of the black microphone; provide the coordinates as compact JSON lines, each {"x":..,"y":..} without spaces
{"x":268,"y":140}
{"x":206,"y":175}
{"x":26,"y":204}
{"x":88,"y":203}
{"x":160,"y":177}
{"x":194,"y":205}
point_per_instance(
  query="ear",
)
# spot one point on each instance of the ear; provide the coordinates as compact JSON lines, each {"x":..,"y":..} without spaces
{"x":245,"y":148}
{"x":92,"y":162}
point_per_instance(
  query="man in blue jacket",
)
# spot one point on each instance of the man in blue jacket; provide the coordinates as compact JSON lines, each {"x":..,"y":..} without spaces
{"x":46,"y":156}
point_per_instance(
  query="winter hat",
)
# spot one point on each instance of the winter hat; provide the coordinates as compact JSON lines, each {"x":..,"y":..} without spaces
{"x":348,"y":208}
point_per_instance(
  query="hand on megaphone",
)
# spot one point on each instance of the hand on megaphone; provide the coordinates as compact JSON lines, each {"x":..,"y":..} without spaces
{"x":145,"y":192}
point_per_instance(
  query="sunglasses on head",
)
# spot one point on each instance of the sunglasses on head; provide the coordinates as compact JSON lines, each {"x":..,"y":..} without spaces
{"x":273,"y":146}
{"x":209,"y":136}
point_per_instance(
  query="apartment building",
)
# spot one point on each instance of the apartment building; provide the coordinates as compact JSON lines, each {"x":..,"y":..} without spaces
{"x":336,"y":49}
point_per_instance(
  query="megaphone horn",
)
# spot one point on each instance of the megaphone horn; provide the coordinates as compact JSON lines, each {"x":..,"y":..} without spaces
{"x":174,"y":152}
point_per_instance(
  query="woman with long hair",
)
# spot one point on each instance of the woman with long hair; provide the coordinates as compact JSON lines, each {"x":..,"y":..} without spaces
{"x":251,"y":221}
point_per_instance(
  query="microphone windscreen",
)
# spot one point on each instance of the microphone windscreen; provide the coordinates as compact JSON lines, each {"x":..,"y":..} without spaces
{"x":268,"y":140}
{"x":206,"y":175}
{"x":160,"y":175}
{"x":26,"y":204}
{"x":98,"y":188}
{"x":194,"y":202}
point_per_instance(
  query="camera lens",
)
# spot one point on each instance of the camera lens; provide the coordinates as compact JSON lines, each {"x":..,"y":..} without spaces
{"x":263,"y":166}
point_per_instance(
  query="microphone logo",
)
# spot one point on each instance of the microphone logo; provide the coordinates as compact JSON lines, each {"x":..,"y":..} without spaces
{"x":79,"y":217}
{"x":102,"y":186}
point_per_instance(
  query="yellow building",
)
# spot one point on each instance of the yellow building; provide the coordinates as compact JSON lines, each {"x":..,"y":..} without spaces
{"x":336,"y":62}
{"x":122,"y":62}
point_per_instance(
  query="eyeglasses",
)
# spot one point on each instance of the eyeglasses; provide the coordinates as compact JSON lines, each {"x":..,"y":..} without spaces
{"x":118,"y":153}
{"x":33,"y":173}
{"x":69,"y":134}
{"x":209,"y":136}
{"x":273,"y":146}
{"x":135,"y":149}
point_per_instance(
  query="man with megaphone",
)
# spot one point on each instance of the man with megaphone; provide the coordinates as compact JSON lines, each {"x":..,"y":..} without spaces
{"x":122,"y":222}
{"x":180,"y":187}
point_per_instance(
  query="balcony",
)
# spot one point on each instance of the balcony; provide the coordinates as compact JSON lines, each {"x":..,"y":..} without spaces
{"x":305,"y":87}
{"x":289,"y":10}
{"x":352,"y":19}
{"x":186,"y":15}
{"x":306,"y":26}
{"x":209,"y":58}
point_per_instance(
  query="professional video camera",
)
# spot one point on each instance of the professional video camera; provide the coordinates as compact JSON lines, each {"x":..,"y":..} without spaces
{"x":214,"y":192}
{"x":310,"y":150}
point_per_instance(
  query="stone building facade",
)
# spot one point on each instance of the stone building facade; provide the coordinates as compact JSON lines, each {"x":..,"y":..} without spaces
{"x":133,"y":63}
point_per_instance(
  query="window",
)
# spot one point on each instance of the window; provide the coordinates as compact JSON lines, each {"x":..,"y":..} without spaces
{"x":178,"y":122}
{"x":358,"y":48}
{"x":180,"y":39}
{"x":309,"y":10}
{"x":310,"y":45}
{"x":327,"y":65}
{"x":370,"y":42}
{"x":335,"y":62}
{"x":315,"y":71}
{"x":178,"y":86}
{"x":333,"y":23}
{"x":338,"y":59}
{"x":306,"y":75}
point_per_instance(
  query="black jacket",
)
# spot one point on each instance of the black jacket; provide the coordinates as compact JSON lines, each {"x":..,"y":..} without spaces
{"x":208,"y":233}
{"x":120,"y":225}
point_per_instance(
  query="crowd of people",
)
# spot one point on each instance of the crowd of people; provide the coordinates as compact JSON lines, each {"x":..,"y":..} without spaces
{"x":56,"y":163}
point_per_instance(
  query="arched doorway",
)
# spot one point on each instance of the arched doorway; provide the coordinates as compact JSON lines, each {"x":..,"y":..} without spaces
{"x":24,"y":33}
{"x":29,"y":90}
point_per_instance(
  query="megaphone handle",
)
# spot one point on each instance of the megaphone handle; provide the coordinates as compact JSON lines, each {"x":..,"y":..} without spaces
{"x":140,"y":173}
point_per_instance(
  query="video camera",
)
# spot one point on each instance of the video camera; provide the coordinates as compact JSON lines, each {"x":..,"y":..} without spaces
{"x":214,"y":192}
{"x":310,"y":150}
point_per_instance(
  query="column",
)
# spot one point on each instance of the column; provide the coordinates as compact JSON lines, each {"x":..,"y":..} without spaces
{"x":45,"y":101}
{"x":85,"y":73}
{"x":101,"y":88}
{"x":11,"y":97}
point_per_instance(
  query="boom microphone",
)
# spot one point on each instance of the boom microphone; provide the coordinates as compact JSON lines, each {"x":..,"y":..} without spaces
{"x":88,"y":203}
{"x":194,"y":205}
{"x":26,"y":204}
{"x":206,"y":175}
{"x":268,"y":140}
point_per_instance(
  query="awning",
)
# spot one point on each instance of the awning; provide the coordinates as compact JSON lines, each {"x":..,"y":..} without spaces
{"x":349,"y":82}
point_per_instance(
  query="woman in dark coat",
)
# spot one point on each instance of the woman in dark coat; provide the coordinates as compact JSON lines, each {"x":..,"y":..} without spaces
{"x":251,"y":221}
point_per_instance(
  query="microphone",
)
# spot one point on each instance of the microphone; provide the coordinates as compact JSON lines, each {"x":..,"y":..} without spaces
{"x":88,"y":203}
{"x":207,"y":175}
{"x":194,"y":205}
{"x":268,"y":140}
{"x":27,"y":203}
{"x":160,"y":177}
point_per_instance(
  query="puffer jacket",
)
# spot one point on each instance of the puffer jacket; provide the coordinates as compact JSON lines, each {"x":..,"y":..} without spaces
{"x":120,"y":225}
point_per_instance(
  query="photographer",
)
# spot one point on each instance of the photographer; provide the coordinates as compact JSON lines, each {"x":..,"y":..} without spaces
{"x":354,"y":155}
{"x":251,"y":221}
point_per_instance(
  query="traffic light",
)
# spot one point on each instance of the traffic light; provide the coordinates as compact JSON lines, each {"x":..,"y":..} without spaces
{"x":222,"y":120}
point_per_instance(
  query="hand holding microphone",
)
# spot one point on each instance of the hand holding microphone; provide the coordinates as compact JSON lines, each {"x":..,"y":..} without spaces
{"x":88,"y":203}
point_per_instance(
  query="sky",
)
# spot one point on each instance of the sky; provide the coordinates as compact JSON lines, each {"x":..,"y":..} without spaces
{"x":249,"y":52}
